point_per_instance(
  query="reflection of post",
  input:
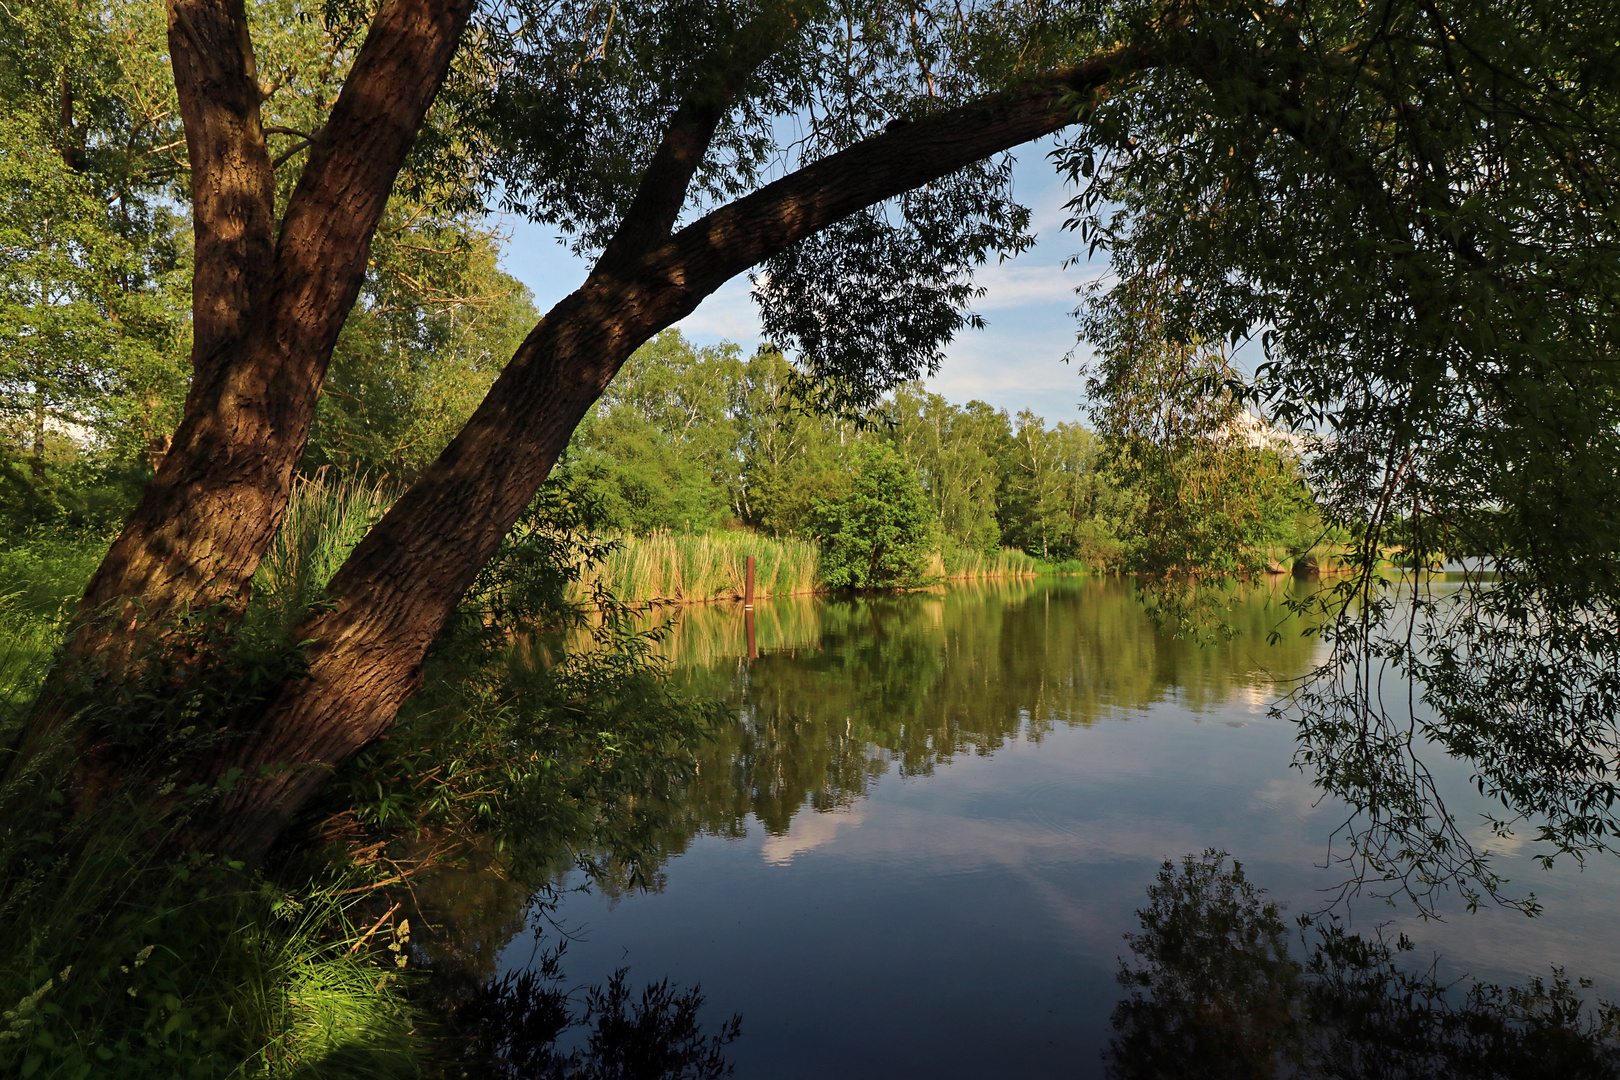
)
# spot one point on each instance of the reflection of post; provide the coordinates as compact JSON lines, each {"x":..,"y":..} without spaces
{"x":748,"y":606}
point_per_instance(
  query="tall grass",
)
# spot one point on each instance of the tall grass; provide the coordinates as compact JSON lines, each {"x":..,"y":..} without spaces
{"x":697,"y":567}
{"x":121,"y":964}
{"x":326,"y":517}
{"x":690,"y":567}
{"x":1008,"y":562}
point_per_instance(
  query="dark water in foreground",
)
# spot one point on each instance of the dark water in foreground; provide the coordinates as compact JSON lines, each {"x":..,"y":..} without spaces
{"x":918,"y":849}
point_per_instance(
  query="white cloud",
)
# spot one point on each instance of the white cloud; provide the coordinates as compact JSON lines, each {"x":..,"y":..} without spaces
{"x":1020,"y":282}
{"x":809,"y":831}
{"x":728,"y":314}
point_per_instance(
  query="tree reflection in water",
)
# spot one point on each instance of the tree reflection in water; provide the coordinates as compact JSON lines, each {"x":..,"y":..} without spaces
{"x":533,"y":1024}
{"x":1216,"y":992}
{"x":518,"y":1026}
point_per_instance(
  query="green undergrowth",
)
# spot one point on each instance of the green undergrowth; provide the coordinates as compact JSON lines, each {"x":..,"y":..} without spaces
{"x":45,"y":570}
{"x":188,"y":969}
{"x":530,"y":750}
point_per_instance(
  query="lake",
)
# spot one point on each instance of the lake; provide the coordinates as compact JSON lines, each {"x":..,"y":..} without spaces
{"x":917,"y":849}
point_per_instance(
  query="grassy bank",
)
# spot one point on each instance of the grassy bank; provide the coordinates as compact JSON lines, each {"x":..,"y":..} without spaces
{"x":694,"y":567}
{"x":698,"y":567}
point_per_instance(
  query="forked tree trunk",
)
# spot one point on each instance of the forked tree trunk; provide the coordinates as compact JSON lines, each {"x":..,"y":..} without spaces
{"x":267,"y":306}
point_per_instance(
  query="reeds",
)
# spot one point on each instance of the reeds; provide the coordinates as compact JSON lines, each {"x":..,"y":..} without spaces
{"x":696,"y":567}
{"x":693,"y":567}
{"x":326,"y":517}
{"x":702,"y":635}
{"x":1008,"y":562}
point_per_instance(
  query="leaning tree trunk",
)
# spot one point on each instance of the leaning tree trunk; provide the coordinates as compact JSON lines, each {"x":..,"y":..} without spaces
{"x":394,"y":593}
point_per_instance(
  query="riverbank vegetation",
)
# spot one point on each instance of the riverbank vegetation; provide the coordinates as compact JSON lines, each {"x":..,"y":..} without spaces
{"x":694,"y":440}
{"x":1392,"y":202}
{"x":547,"y":738}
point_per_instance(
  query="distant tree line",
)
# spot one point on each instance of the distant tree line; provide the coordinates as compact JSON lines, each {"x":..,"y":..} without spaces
{"x":703,"y":437}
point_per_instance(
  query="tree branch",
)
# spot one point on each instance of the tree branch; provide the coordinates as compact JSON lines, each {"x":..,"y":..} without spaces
{"x":716,"y":248}
{"x":232,"y":183}
{"x":334,"y":210}
{"x":668,"y":177}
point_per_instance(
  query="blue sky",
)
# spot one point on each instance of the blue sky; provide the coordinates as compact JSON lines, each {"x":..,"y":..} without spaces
{"x":1014,"y":363}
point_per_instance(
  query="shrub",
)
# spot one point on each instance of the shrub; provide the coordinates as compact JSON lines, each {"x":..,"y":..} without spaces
{"x":879,"y":533}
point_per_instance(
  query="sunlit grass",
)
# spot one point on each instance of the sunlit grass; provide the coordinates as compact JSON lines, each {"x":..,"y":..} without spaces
{"x":696,"y":567}
{"x":703,"y":566}
{"x":1007,"y":562}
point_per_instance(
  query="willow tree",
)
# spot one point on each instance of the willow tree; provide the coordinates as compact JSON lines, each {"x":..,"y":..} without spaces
{"x":611,"y":124}
{"x":1410,"y":211}
{"x":853,"y":153}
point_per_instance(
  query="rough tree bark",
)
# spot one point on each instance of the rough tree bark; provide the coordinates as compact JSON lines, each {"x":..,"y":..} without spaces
{"x":267,"y":305}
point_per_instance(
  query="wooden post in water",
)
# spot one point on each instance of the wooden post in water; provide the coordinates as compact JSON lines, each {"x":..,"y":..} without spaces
{"x":748,"y":607}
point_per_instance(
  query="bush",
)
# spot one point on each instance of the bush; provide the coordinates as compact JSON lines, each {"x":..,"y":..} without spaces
{"x":880,"y":533}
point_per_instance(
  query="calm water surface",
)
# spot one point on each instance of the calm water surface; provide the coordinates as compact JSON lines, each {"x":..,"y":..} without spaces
{"x":917,"y":850}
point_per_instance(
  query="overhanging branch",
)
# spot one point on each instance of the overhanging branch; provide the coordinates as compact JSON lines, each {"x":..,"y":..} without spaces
{"x":723,"y":244}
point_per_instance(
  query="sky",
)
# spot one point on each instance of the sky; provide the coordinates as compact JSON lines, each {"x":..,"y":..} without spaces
{"x":1014,"y":363}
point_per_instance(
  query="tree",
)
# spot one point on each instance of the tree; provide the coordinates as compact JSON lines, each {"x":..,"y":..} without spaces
{"x":954,"y":450}
{"x":879,"y":532}
{"x":435,"y":322}
{"x":790,"y":456}
{"x":1057,"y":501}
{"x":274,"y":283}
{"x":629,"y":130}
{"x":657,"y":451}
{"x":92,"y":267}
{"x":1207,"y":500}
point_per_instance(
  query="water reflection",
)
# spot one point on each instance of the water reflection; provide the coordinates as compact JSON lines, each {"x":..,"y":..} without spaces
{"x":848,"y":690}
{"x":915,"y":847}
{"x":1217,"y":991}
{"x":519,"y":1027}
{"x":534,"y":1022}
